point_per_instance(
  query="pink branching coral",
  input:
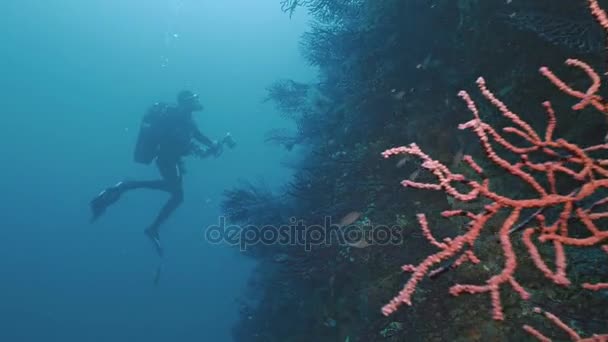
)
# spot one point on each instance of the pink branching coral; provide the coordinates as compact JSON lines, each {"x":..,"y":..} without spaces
{"x":542,"y":160}
{"x":574,"y":336}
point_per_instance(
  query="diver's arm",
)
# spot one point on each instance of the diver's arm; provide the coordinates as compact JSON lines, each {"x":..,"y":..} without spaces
{"x":198,"y":136}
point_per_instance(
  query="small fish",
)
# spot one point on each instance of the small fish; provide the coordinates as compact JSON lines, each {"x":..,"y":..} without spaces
{"x":414,"y":175}
{"x":399,"y":96}
{"x":280,"y":258}
{"x":350,"y":218}
{"x":402,"y":162}
{"x":416,"y":235}
{"x":359,"y":244}
{"x":457,"y":159}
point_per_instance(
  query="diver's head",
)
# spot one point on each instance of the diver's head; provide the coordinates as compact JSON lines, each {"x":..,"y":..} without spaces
{"x":188,"y":101}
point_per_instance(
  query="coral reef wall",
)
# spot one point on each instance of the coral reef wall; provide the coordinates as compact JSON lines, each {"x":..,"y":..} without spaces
{"x":389,"y":74}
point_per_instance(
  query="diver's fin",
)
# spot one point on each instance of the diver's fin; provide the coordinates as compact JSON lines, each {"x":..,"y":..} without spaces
{"x":152,"y":234}
{"x":104,"y":199}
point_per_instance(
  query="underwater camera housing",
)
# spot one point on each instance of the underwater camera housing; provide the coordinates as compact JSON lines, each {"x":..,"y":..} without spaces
{"x":227,"y":140}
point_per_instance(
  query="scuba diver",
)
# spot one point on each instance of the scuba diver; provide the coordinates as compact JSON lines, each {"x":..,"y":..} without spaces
{"x":167,"y":134}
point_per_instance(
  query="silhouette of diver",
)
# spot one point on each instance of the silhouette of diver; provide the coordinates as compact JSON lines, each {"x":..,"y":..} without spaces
{"x":166,"y":135}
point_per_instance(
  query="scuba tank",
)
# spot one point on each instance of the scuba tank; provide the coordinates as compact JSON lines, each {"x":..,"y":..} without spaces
{"x":148,"y":139}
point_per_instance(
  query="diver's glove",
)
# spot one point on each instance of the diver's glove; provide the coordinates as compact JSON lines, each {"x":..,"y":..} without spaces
{"x":228,"y":140}
{"x":217,"y":149}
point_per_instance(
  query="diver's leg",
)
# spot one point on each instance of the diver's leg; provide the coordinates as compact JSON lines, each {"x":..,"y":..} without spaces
{"x":112,"y":194}
{"x":177,"y":197}
{"x":172,"y":175}
{"x":159,"y":184}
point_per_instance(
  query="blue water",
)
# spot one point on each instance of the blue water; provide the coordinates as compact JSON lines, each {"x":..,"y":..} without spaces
{"x":75,"y":79}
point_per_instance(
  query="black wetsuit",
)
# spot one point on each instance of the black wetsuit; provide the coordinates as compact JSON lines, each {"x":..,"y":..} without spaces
{"x":176,"y":141}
